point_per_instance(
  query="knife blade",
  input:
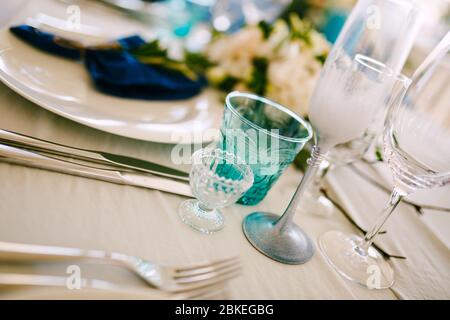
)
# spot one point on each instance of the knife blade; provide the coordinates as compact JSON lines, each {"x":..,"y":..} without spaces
{"x":113,"y":160}
{"x":31,"y":159}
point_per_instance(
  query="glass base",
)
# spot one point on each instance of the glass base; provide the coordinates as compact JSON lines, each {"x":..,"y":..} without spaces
{"x":344,"y":254}
{"x":199,"y":219}
{"x":291,"y":247}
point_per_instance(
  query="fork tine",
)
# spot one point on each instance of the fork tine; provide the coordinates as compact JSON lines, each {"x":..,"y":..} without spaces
{"x":207,"y":275}
{"x":202,"y":292}
{"x":206,"y":264}
{"x":188,"y":295}
{"x":205,"y":270}
{"x":207,"y":282}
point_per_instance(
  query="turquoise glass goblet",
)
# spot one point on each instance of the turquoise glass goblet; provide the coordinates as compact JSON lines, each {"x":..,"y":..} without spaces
{"x":266,"y":135}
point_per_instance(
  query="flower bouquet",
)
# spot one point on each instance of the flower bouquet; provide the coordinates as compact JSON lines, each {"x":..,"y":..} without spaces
{"x":281,"y":61}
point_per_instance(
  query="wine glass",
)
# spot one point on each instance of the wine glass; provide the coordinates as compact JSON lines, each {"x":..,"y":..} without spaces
{"x":417,"y":149}
{"x":313,"y":200}
{"x":385,"y":30}
{"x":348,"y":93}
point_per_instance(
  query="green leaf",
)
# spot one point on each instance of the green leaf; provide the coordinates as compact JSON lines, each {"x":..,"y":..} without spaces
{"x":300,"y":29}
{"x":197,"y":62}
{"x":153,"y":53}
{"x":258,"y":80}
{"x":150,"y":49}
{"x":321,"y":58}
{"x":228,"y":83}
{"x":265,"y":28}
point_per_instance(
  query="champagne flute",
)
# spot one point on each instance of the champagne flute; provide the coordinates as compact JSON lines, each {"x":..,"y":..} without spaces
{"x":345,"y":99}
{"x":385,"y":30}
{"x":417,"y":149}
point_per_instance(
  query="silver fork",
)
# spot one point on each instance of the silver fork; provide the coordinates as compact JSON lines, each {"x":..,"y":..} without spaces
{"x":37,"y":280}
{"x":166,"y":278}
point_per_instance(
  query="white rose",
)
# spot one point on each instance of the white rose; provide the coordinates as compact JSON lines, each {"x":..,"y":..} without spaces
{"x":292,"y":80}
{"x":244,"y":43}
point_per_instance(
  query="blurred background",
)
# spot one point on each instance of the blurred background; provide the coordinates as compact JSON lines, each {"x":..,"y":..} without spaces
{"x":194,"y":21}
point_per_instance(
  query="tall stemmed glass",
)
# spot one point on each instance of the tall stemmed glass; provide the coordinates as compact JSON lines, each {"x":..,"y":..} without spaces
{"x":347,"y":95}
{"x":385,"y":30}
{"x":417,"y":149}
{"x":356,"y":80}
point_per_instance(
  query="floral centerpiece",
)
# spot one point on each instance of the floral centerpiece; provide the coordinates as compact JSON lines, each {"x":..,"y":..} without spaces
{"x":281,"y":61}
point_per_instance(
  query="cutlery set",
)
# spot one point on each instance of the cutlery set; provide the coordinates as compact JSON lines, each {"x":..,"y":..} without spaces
{"x":202,"y":281}
{"x":30,"y":280}
{"x":32,"y":152}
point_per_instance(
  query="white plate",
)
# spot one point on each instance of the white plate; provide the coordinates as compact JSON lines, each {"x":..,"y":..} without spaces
{"x":64,"y":87}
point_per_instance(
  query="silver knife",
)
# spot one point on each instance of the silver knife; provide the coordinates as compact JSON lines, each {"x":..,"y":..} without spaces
{"x":108,"y":159}
{"x":32,"y":159}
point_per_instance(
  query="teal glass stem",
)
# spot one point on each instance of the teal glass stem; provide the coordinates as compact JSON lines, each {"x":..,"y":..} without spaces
{"x":279,"y":237}
{"x":264,"y":134}
{"x":286,"y":220}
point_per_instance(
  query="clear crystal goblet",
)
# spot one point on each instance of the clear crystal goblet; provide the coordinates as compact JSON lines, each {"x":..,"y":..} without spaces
{"x":218,"y":179}
{"x":417,"y":149}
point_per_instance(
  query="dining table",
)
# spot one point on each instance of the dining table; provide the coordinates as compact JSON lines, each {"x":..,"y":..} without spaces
{"x":49,"y":208}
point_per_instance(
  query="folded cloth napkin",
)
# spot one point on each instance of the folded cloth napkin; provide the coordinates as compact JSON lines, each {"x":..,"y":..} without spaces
{"x":116,"y":71}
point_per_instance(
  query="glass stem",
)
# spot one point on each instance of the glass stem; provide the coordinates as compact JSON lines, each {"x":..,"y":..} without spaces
{"x":319,"y":179}
{"x":313,"y":165}
{"x":204,"y":210}
{"x":396,"y":196}
{"x":324,"y":171}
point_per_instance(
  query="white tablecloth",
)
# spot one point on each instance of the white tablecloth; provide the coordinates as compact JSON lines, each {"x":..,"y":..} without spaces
{"x":42,"y":207}
{"x":48,"y":208}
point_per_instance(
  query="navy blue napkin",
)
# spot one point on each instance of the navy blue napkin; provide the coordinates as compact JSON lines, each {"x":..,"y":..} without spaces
{"x":118,"y":72}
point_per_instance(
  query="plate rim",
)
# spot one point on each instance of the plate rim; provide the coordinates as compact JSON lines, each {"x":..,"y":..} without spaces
{"x":39,"y":99}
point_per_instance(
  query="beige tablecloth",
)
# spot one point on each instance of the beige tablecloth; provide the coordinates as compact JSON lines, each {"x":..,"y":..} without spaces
{"x":42,"y":207}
